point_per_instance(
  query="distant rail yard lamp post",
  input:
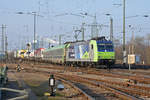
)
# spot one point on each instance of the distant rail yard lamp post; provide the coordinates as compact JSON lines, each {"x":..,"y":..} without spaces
{"x":124,"y":19}
{"x":34,"y":25}
{"x":34,"y":14}
{"x":123,"y":47}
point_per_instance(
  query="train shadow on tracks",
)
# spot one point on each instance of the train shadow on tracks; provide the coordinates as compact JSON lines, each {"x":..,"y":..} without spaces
{"x":120,"y":66}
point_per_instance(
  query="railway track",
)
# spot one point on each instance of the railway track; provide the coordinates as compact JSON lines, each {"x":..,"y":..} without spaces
{"x":133,"y":91}
{"x":80,"y":92}
{"x":118,"y":93}
{"x":139,"y":78}
{"x":77,"y":79}
{"x":77,"y":88}
{"x":93,"y":71}
{"x":83,"y":91}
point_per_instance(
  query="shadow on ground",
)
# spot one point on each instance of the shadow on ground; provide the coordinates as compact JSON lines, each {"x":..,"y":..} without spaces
{"x":39,"y":91}
{"x":7,"y":94}
{"x":119,"y":66}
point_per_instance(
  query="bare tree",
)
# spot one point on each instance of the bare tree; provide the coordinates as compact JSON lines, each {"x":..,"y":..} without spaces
{"x":141,"y":47}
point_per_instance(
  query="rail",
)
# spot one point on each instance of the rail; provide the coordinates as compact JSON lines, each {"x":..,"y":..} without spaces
{"x":87,"y":97}
{"x":23,"y":93}
{"x":117,"y":91}
{"x":123,"y":92}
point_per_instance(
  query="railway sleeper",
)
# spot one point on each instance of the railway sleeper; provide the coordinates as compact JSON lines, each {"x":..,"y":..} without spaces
{"x":136,"y":92}
{"x":123,"y":95}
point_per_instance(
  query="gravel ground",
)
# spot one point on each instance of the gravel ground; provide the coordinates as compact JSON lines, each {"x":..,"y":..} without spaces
{"x":13,"y":83}
{"x":38,"y":83}
{"x":37,"y":86}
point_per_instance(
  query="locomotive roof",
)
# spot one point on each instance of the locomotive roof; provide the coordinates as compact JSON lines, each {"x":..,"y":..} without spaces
{"x":74,"y":41}
{"x":98,"y":39}
{"x":83,"y":41}
{"x":104,"y":41}
{"x":102,"y":38}
{"x":56,"y":47}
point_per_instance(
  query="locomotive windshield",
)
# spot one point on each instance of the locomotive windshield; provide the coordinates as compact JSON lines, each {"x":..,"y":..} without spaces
{"x":108,"y":47}
{"x":101,"y":47}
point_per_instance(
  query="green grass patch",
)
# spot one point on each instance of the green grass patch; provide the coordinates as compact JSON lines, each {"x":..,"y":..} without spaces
{"x":40,"y":89}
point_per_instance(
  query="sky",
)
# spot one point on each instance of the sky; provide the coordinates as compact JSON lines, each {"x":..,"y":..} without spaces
{"x":54,"y":21}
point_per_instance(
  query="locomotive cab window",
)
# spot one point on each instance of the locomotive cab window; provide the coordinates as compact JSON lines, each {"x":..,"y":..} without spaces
{"x":109,"y":47}
{"x":101,"y":47}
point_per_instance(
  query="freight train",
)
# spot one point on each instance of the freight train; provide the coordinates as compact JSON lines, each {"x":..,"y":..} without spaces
{"x":96,"y":51}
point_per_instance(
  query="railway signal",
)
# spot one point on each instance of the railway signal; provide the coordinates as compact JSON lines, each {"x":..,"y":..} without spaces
{"x":52,"y":84}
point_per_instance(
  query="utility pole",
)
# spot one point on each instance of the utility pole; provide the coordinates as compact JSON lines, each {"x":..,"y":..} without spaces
{"x":77,"y":34}
{"x":124,"y":51}
{"x":82,"y":29}
{"x":34,"y":13}
{"x":111,"y":28}
{"x":94,"y":29}
{"x":59,"y":39}
{"x":42,"y":44}
{"x":94,"y":26}
{"x":6,"y":44}
{"x":49,"y":45}
{"x":133,"y":42}
{"x":3,"y":38}
{"x":34,"y":16}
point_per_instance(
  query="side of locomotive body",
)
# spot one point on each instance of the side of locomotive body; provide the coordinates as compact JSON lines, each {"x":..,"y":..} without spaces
{"x":55,"y":54}
{"x":92,"y":52}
